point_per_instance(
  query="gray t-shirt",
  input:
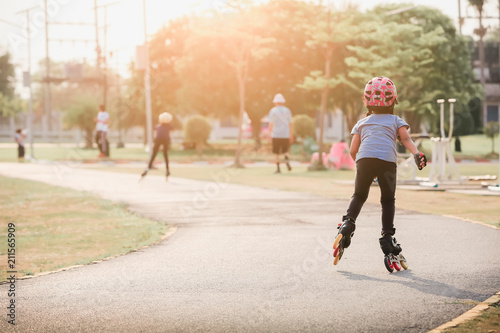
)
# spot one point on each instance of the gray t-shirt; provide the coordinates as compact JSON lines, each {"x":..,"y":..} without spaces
{"x":280,"y":117}
{"x":378,"y":133}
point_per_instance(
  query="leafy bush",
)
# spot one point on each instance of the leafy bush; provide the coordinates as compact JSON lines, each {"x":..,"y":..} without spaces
{"x":197,"y":130}
{"x":304,"y":126}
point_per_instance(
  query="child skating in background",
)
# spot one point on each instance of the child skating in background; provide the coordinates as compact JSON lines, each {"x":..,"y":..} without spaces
{"x":162,"y":138}
{"x":373,"y":147}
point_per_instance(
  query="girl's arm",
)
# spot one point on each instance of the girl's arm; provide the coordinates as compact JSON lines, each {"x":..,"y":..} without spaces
{"x":406,"y":140}
{"x":420,"y":158}
{"x":355,"y":142}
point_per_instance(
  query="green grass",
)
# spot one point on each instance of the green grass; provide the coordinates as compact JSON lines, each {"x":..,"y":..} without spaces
{"x":488,"y":321}
{"x":58,"y":227}
{"x":473,"y":147}
{"x":218,"y":153}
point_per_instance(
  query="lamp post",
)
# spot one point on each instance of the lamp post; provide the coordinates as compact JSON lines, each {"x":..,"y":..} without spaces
{"x":30,"y":114}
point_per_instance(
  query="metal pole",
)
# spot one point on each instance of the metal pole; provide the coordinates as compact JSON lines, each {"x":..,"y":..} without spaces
{"x":104,"y":74}
{"x":441,"y":117}
{"x":97,"y":47}
{"x":450,"y":134}
{"x":147,"y":87}
{"x":48,"y":103}
{"x":30,"y":116}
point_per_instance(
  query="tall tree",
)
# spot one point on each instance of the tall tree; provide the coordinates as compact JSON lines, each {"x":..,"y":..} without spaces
{"x":438,"y":77}
{"x":10,"y":104}
{"x":332,"y":33}
{"x":481,"y":32}
{"x":283,"y":20}
{"x":238,"y":41}
{"x":7,"y":76}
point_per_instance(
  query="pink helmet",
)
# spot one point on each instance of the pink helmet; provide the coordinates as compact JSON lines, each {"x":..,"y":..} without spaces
{"x":380,"y":91}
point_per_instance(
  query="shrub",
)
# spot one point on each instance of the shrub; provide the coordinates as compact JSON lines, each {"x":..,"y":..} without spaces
{"x":304,"y":126}
{"x":197,"y":130}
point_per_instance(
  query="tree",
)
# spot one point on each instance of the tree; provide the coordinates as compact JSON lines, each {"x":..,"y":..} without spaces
{"x":10,"y":105}
{"x":491,"y":131}
{"x":440,"y":79}
{"x":332,"y":33}
{"x":420,"y":50}
{"x":238,"y":43}
{"x":291,"y":61}
{"x":481,"y":32}
{"x":7,"y":76}
{"x":80,"y":112}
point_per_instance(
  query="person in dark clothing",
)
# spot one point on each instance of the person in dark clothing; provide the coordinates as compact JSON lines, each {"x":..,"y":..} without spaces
{"x":162,"y":139}
{"x":458,"y":145}
{"x":19,"y":137}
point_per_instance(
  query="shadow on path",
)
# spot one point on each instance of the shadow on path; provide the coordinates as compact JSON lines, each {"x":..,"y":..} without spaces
{"x":427,"y":286}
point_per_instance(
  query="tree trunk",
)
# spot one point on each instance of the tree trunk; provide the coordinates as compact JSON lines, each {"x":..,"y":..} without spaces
{"x":324,"y":99}
{"x":241,"y":73}
{"x":89,"y":138}
{"x":12,"y":125}
{"x":256,"y":128}
{"x":481,"y":32}
{"x":241,"y":88}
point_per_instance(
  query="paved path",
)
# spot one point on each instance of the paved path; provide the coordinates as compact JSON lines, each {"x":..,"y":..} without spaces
{"x":253,"y":260}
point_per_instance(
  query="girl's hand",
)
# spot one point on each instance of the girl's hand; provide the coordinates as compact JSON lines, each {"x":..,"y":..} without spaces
{"x":420,"y":160}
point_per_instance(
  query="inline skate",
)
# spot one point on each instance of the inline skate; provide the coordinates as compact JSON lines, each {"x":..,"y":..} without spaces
{"x":393,"y":259}
{"x":343,"y":239}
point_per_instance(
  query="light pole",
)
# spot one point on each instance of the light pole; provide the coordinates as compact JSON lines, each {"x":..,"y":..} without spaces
{"x":48,"y":101}
{"x":30,"y":115}
{"x":147,"y":86}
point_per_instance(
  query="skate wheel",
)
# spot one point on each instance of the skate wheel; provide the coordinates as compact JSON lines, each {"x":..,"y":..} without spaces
{"x":403,"y":264}
{"x":388,"y":264}
{"x":396,"y":266}
{"x":336,"y":260}
{"x":336,"y":252}
{"x":337,"y":240}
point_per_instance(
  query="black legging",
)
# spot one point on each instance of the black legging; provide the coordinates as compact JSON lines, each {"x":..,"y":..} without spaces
{"x":366,"y":170}
{"x":156,"y":147}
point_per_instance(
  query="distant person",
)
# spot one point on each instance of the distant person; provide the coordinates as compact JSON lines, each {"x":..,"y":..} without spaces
{"x":373,"y":147}
{"x":19,"y":137}
{"x":458,"y":145}
{"x":281,"y":129}
{"x":102,"y":127}
{"x":162,"y":139}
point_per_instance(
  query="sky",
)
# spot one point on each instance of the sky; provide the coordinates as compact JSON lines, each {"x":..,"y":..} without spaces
{"x":126,"y":25}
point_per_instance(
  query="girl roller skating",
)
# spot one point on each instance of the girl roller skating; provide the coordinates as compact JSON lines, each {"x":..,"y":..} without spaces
{"x":162,"y":138}
{"x":373,"y":147}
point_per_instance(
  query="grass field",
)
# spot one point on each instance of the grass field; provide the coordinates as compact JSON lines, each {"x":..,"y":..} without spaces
{"x":58,"y":227}
{"x":473,"y":147}
{"x":487,"y":322}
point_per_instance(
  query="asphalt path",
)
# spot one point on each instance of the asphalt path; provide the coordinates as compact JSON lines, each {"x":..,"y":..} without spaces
{"x":246,"y":259}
